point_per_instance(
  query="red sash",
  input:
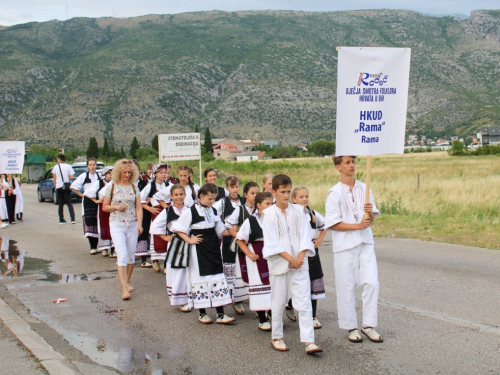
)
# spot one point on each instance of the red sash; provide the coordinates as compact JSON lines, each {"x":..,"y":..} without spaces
{"x":160,"y":244}
{"x":104,"y":223}
{"x":261,"y":263}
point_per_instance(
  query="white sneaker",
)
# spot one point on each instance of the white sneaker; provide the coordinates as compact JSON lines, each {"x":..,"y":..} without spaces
{"x":225,"y":320}
{"x":185,"y":308}
{"x":93,"y":251}
{"x":266,"y":326}
{"x":3,"y":225}
{"x":105,"y":253}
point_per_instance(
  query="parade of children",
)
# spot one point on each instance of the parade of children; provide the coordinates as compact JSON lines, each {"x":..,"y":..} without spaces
{"x":257,"y":253}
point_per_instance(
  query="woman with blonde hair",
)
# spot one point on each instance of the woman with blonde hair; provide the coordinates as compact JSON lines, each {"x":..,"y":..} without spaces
{"x":123,"y":201}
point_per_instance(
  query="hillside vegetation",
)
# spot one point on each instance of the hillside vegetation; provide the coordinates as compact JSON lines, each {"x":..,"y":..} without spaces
{"x":262,"y":74}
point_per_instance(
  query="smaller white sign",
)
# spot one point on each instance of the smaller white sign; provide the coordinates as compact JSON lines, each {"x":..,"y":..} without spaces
{"x":12,"y":157}
{"x":185,"y":146}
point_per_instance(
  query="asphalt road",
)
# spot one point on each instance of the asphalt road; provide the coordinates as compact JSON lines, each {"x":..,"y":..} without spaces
{"x":438,"y":312}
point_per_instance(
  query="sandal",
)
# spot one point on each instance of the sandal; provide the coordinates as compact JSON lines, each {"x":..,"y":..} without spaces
{"x":354,"y":335}
{"x":279,"y":345}
{"x":372,"y":334}
{"x":312,"y":348}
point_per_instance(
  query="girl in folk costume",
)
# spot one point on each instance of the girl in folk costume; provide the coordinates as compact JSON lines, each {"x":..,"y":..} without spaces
{"x":151,"y":208}
{"x":96,"y":193}
{"x":210,"y":176}
{"x":89,"y":207}
{"x":201,"y":227}
{"x":267,"y":182}
{"x":145,"y":178}
{"x":4,"y":188}
{"x":11,"y":197}
{"x":300,"y":195}
{"x":189,"y":187}
{"x":224,"y":208}
{"x":162,"y":229}
{"x":238,"y":273}
{"x":191,"y":176}
{"x":19,"y":203}
{"x":250,"y":241}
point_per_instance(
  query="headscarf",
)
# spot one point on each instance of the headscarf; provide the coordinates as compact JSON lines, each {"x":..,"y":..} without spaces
{"x":159,"y":167}
{"x":106,"y":170}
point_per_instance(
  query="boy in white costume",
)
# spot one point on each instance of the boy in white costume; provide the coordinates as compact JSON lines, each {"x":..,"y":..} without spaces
{"x":286,"y":243}
{"x":355,"y":263}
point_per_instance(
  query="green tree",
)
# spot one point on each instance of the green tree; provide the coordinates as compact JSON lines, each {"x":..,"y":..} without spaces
{"x":457,"y":149}
{"x":261,"y":147}
{"x":93,"y":149}
{"x":282,"y":152}
{"x":134,"y":146}
{"x":208,"y":142}
{"x":105,"y":150}
{"x":154,"y":143}
{"x":145,"y":153}
{"x":122,"y":153}
{"x":196,"y":128}
{"x":321,"y":147}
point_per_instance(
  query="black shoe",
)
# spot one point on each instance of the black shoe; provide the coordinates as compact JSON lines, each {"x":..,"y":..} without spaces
{"x":63,"y":221}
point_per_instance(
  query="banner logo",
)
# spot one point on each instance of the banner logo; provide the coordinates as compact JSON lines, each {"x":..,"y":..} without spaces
{"x":369,"y":79}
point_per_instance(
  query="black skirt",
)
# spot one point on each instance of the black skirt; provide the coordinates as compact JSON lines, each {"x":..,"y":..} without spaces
{"x":209,"y":257}
{"x":315,"y":269}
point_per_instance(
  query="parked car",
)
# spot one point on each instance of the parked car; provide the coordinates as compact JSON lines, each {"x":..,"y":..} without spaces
{"x":46,"y":188}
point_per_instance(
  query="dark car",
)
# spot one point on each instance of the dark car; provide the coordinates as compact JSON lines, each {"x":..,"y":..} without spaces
{"x":46,"y":188}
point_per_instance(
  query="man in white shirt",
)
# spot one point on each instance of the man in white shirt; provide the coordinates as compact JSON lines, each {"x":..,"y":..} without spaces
{"x":62,"y":173}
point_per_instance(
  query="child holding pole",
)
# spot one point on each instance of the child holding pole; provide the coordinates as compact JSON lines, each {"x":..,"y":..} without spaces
{"x":349,"y":215}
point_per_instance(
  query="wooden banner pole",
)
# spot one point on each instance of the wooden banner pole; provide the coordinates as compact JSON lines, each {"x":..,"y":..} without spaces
{"x":368,"y":177}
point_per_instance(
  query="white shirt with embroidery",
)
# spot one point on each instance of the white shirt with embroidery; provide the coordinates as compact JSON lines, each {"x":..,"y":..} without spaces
{"x":344,"y":206}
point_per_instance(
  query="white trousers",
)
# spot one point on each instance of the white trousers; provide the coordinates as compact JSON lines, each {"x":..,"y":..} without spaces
{"x":354,"y":268}
{"x":124,"y":237}
{"x":297,"y":285}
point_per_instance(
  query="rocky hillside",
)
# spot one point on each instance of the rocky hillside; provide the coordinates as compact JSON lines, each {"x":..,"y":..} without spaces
{"x":265,"y":74}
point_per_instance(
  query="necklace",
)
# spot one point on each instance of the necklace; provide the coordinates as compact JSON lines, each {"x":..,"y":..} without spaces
{"x":206,"y":212}
{"x":237,"y":199}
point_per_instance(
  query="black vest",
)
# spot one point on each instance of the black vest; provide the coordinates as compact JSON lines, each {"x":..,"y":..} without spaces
{"x":255,"y":229}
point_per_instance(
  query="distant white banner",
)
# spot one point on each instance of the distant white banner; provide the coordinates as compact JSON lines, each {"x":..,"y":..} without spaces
{"x":12,"y":157}
{"x":372,"y":97}
{"x":185,"y":146}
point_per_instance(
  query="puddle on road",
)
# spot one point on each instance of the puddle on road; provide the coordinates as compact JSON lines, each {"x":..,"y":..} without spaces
{"x":41,"y":267}
{"x":130,"y":361}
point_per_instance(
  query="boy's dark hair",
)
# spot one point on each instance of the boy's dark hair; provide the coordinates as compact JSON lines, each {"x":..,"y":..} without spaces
{"x":207,"y":189}
{"x":281,"y":180}
{"x":232,"y":180}
{"x":337,"y":160}
{"x":61,"y":157}
{"x":91,"y":159}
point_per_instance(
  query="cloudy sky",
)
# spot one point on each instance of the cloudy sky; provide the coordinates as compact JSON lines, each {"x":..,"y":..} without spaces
{"x":19,"y":11}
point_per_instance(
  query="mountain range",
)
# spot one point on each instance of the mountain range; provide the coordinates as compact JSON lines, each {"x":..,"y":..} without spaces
{"x":250,"y":74}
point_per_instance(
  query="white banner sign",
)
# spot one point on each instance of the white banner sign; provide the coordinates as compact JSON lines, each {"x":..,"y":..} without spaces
{"x":12,"y":157}
{"x":185,"y":146}
{"x":372,"y":97}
